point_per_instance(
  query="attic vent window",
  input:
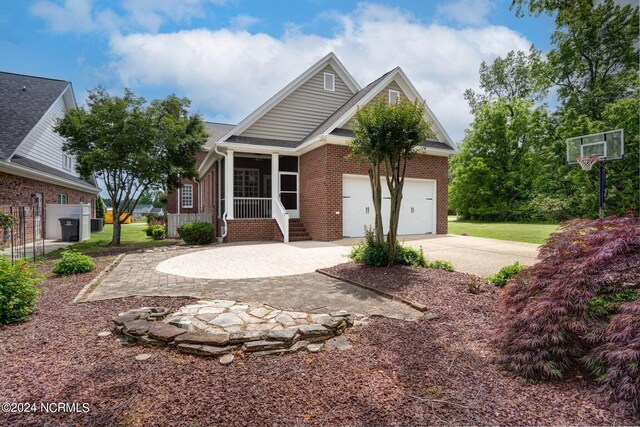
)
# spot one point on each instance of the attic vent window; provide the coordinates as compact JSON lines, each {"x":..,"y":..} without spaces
{"x":329,"y":82}
{"x":394,"y":96}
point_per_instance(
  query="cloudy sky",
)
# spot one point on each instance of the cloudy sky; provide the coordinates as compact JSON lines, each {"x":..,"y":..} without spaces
{"x":229,"y":56}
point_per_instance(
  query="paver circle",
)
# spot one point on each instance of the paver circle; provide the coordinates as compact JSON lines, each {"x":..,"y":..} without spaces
{"x":255,"y":260}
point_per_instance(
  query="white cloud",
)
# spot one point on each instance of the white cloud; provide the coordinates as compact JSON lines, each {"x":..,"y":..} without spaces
{"x":81,"y":16}
{"x":243,"y":22}
{"x":466,"y":12}
{"x":229,"y":72}
{"x":70,"y":16}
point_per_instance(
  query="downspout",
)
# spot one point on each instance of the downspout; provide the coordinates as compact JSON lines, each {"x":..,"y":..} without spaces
{"x":224,"y":214}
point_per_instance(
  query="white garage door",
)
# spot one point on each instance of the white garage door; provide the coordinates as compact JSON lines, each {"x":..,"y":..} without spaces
{"x":416,"y":211}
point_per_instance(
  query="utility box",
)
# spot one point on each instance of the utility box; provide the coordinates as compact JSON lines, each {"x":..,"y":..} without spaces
{"x":70,"y":229}
{"x":97,"y":225}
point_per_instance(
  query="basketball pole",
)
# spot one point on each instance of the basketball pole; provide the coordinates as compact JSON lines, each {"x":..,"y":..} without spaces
{"x":603,"y":184}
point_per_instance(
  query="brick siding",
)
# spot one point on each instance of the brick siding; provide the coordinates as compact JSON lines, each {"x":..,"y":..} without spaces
{"x":247,"y":230}
{"x":17,"y":190}
{"x":321,"y":172}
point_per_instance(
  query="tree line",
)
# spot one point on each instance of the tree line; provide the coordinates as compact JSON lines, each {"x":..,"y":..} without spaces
{"x":512,"y":161}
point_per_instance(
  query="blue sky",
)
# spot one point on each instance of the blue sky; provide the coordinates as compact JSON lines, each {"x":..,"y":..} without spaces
{"x":229,"y":56}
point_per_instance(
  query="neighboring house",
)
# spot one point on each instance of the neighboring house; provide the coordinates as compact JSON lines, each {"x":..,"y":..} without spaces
{"x":34,"y":171}
{"x":284,"y":172}
{"x":157,"y":211}
{"x":141,"y":210}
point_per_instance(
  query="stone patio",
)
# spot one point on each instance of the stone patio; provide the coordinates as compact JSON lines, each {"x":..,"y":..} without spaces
{"x":136,"y":275}
{"x":214,"y":328}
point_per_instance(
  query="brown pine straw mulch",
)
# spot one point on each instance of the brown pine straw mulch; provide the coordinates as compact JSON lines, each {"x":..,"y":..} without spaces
{"x":397,"y":373}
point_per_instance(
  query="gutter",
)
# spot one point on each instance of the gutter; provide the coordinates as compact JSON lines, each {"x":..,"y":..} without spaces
{"x":224,"y":214}
{"x":16,"y":169}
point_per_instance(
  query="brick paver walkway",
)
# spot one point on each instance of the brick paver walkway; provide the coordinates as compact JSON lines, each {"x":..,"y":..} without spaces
{"x":314,"y":292}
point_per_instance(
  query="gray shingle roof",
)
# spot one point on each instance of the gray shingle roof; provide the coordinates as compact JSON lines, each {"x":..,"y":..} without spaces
{"x":216,"y":131}
{"x":23,"y":102}
{"x":32,"y":164}
{"x":430,"y":143}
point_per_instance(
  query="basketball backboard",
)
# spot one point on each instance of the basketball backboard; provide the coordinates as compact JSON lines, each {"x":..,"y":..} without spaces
{"x":605,"y":145}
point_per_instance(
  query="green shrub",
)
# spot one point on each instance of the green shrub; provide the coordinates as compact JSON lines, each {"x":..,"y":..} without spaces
{"x":158,"y":233}
{"x":441,"y":265}
{"x":407,"y":255}
{"x":609,"y":303}
{"x":149,"y":230}
{"x":18,"y":289}
{"x":377,"y":254}
{"x":6,"y":221}
{"x":73,"y":262}
{"x":197,"y":233}
{"x":502,"y":277}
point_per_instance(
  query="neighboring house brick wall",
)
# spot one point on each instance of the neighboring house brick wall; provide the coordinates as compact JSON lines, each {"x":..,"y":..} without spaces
{"x":321,"y":172}
{"x":16,"y":191}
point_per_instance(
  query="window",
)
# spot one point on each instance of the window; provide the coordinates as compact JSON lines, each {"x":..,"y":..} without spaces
{"x":329,"y":82}
{"x":187,"y":196}
{"x":81,"y":199}
{"x":394,"y":96}
{"x":62,"y":199}
{"x":246,"y":183}
{"x":67,"y":162}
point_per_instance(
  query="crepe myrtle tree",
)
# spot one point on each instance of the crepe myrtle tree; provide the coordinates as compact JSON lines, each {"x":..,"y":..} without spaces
{"x":386,"y":136}
{"x":132,"y":145}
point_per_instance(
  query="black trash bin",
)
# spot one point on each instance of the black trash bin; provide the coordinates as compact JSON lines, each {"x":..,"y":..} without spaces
{"x":70,"y":229}
{"x":97,"y":225}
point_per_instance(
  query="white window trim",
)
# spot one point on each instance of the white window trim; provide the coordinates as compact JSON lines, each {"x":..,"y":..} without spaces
{"x":67,"y":162}
{"x":333,"y":81}
{"x":396,"y":92}
{"x":66,"y":199}
{"x":182,"y":203}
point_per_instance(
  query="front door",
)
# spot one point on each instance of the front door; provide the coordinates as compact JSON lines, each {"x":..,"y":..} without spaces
{"x":289,"y":193}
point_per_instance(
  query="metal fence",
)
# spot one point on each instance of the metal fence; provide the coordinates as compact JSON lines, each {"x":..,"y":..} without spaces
{"x":26,"y":236}
{"x":176,"y":220}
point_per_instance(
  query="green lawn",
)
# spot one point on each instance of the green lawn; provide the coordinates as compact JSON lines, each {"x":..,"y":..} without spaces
{"x":514,"y":231}
{"x":133,"y":237}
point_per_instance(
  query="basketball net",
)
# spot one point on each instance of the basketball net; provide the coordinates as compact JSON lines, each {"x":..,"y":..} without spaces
{"x":587,"y":162}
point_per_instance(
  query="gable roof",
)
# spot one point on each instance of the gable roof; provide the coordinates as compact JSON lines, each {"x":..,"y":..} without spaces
{"x":378,"y":85}
{"x":330,"y":58}
{"x":23,"y":102}
{"x":322,"y":127}
{"x":216,"y":131}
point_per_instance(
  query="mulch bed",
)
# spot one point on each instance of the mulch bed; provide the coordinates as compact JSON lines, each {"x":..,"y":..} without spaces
{"x":397,"y":373}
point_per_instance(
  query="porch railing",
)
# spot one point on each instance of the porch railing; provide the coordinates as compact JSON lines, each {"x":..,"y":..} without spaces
{"x":252,"y":207}
{"x":282,"y":218}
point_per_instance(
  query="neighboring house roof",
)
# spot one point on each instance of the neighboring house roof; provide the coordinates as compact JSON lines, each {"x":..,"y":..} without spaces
{"x":32,"y":164}
{"x":23,"y":102}
{"x":216,"y":131}
{"x":143,"y":208}
{"x":157,"y":211}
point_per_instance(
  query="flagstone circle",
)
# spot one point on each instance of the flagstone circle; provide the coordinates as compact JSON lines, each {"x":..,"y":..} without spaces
{"x":214,"y":328}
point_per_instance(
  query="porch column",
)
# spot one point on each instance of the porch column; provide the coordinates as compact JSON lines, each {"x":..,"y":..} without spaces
{"x":228,"y":181}
{"x":275,"y":182}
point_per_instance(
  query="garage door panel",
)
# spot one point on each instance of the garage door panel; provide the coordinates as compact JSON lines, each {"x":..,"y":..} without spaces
{"x":416,"y":209}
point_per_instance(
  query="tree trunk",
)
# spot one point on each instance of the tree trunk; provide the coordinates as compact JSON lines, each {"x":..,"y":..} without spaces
{"x":376,"y":192}
{"x":115,"y":239}
{"x":394,"y":218}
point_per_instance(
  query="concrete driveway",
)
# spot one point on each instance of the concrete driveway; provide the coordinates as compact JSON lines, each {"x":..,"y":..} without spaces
{"x":474,"y":255}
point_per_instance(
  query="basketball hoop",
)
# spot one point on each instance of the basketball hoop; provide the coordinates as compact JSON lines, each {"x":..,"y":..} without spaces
{"x":587,"y":162}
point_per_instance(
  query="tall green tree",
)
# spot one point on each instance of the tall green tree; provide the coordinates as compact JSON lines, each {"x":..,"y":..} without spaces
{"x":387,"y":135}
{"x":517,"y":75}
{"x":494,"y":173}
{"x":133,"y":146}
